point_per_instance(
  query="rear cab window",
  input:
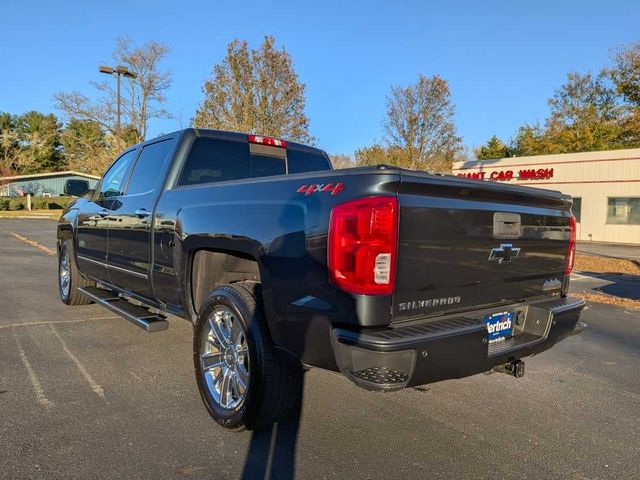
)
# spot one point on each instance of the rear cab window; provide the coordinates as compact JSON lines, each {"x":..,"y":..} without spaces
{"x":302,"y":161}
{"x":214,"y":160}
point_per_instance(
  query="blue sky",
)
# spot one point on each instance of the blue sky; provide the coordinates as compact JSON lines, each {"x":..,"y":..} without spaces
{"x":503,"y":59}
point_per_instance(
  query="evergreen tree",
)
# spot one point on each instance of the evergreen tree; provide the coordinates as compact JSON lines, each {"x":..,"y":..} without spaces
{"x":494,"y":148}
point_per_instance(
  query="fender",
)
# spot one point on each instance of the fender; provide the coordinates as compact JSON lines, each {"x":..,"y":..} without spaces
{"x":237,"y":246}
{"x":67,"y":225}
{"x":272,"y":233}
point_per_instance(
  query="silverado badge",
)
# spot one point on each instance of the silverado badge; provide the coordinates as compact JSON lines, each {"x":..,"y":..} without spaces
{"x":551,"y":284}
{"x":504,"y":254}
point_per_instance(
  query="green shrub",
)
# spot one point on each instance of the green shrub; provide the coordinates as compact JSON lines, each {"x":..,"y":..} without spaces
{"x":39,"y":203}
{"x":59,"y":203}
{"x":4,"y":204}
{"x":17,"y":203}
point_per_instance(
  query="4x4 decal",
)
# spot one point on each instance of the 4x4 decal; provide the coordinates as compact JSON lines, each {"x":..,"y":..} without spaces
{"x":321,"y":187}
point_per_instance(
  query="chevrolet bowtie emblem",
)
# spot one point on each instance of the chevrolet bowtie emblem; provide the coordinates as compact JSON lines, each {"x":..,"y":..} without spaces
{"x":504,"y":254}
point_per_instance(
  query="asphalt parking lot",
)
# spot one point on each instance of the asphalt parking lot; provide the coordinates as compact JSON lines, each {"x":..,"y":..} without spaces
{"x":85,"y":394}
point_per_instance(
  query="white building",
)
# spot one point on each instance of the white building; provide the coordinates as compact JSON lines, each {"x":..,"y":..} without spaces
{"x":605,"y":187}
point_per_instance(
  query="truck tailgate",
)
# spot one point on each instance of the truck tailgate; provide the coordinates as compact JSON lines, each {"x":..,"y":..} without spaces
{"x":465,"y":244}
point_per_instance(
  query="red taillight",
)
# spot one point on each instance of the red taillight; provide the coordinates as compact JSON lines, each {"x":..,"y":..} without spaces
{"x":272,"y":142}
{"x":571,"y":256}
{"x":363,"y":241}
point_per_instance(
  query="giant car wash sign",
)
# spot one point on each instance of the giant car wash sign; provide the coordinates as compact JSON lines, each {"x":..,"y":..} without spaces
{"x":524,"y":174}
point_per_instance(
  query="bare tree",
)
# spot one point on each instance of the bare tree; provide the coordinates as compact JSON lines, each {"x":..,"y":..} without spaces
{"x":421,"y":121}
{"x":78,"y":106}
{"x":147,"y":91}
{"x":142,"y":97}
{"x":255,"y":91}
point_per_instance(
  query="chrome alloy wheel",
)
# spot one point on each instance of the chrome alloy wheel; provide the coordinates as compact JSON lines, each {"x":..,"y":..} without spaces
{"x":224,"y":358}
{"x":64,"y":273}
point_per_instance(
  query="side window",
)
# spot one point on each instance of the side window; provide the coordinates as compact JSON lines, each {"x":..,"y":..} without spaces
{"x":212,"y":160}
{"x":148,"y":170}
{"x":623,"y":210}
{"x":113,"y":181}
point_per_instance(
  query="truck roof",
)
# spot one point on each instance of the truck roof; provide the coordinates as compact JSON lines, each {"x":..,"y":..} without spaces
{"x":227,"y":135}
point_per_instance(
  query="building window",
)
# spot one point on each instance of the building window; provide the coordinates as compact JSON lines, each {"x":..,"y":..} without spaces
{"x":623,"y":210}
{"x":577,"y":208}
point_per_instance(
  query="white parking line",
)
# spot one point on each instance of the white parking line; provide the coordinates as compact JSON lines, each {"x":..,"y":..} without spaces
{"x":33,"y":243}
{"x":97,"y":389}
{"x":35,"y":381}
{"x":49,"y":322}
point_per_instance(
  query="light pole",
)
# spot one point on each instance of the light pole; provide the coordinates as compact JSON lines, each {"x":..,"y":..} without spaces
{"x":118,"y":72}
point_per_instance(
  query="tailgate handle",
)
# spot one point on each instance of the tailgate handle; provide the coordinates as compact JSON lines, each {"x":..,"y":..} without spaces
{"x":506,"y":225}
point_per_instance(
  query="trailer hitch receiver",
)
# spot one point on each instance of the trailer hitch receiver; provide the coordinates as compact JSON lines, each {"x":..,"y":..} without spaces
{"x":515,"y":368}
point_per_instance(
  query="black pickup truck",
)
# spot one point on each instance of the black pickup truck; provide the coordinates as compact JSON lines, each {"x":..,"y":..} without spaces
{"x":393,"y":277}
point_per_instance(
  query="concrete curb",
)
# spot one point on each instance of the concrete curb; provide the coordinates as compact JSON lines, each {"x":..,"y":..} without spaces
{"x":613,"y":257}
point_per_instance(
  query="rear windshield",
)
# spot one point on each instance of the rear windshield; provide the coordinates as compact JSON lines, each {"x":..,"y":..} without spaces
{"x":212,"y":160}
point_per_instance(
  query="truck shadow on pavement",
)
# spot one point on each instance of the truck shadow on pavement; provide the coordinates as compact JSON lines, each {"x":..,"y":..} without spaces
{"x":272,"y":450}
{"x":619,"y":285}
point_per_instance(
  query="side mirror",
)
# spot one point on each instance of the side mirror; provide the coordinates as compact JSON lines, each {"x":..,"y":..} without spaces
{"x":89,"y":193}
{"x":76,"y":188}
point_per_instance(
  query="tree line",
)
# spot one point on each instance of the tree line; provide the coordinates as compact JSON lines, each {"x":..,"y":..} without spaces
{"x":258,"y":91}
{"x":589,"y":112}
{"x":250,"y":90}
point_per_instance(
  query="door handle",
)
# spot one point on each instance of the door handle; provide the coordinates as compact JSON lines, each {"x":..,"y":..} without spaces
{"x":142,"y":212}
{"x":103,"y":213}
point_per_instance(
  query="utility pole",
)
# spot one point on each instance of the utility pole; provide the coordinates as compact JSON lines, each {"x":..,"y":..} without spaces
{"x":118,"y":71}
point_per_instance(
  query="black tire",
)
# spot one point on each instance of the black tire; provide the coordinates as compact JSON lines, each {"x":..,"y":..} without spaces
{"x":275,"y":377}
{"x":72,"y":296}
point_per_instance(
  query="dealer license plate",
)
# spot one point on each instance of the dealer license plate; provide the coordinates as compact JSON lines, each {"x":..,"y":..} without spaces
{"x":499,"y":326}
